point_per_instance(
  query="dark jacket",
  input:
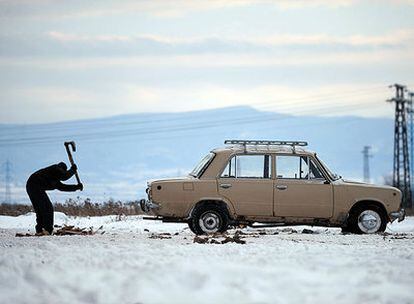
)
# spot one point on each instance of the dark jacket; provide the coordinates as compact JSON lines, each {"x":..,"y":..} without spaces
{"x":50,"y":178}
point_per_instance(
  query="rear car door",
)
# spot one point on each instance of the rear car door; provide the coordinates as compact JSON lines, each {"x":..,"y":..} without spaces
{"x":247,"y":183}
{"x":301,"y":189}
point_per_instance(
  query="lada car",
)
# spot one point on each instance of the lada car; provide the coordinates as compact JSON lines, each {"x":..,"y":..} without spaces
{"x":270,"y":183}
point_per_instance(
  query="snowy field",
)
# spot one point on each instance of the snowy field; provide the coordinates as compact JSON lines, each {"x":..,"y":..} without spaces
{"x":137,"y":261}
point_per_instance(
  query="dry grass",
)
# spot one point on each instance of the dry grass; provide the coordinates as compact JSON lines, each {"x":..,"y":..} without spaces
{"x":79,"y":208}
{"x":14,"y":209}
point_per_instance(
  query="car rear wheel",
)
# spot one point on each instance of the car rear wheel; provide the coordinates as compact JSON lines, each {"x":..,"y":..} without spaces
{"x":368,"y":220}
{"x":209,"y":218}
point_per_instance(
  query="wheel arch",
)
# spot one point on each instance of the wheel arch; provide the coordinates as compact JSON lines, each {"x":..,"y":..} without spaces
{"x":219,"y":202}
{"x":369,"y":202}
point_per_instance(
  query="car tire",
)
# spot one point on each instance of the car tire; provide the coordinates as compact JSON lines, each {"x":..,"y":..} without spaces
{"x":209,"y":218}
{"x":191,"y":226}
{"x":346,"y":229}
{"x":367,"y":220}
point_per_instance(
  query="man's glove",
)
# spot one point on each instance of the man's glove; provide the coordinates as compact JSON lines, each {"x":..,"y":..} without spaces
{"x":80,"y":187}
{"x":74,"y":168}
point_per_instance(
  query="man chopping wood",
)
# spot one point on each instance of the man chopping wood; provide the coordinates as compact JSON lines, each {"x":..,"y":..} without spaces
{"x":49,"y":178}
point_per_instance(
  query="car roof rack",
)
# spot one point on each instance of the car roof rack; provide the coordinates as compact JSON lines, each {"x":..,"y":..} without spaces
{"x":245,"y":143}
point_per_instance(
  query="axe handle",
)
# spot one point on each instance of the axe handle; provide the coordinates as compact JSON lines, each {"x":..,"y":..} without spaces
{"x":72,"y":162}
{"x":77,"y":177}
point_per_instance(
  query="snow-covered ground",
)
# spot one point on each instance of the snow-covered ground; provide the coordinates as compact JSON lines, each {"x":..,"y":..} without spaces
{"x":133,"y":262}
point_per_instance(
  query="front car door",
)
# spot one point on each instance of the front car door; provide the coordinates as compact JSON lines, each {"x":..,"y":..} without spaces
{"x":247,"y":183}
{"x":301,"y":189}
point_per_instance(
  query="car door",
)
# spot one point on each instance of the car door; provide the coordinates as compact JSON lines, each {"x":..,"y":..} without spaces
{"x":301,"y":189}
{"x":247,"y":183}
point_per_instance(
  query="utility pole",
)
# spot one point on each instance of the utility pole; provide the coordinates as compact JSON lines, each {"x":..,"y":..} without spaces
{"x":8,"y":179}
{"x":367,"y":156}
{"x":401,"y":172}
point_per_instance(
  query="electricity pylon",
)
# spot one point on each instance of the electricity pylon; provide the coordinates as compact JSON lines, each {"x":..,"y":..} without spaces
{"x":401,"y":172}
{"x":410,"y":111}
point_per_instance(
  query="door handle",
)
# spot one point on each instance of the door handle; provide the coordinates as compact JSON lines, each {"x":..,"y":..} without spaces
{"x":225,"y":186}
{"x":281,"y":187}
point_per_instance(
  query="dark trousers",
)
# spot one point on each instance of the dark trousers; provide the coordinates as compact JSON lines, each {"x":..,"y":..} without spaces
{"x":41,"y":205}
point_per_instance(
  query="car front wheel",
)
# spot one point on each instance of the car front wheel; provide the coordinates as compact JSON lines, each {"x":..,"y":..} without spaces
{"x":368,"y":220}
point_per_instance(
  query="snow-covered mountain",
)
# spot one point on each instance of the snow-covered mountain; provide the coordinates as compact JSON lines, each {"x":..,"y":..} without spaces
{"x":117,"y":155}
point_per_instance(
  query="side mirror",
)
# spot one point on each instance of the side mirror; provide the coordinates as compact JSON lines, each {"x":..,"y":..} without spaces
{"x":326,"y":182}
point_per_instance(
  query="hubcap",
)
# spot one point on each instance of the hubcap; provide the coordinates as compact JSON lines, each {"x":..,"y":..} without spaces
{"x":369,"y":221}
{"x":209,"y":222}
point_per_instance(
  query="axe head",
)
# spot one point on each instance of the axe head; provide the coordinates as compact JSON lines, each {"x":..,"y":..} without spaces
{"x":72,"y":144}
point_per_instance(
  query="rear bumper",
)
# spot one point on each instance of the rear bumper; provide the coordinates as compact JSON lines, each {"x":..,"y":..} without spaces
{"x":398,"y":215}
{"x":147,"y":205}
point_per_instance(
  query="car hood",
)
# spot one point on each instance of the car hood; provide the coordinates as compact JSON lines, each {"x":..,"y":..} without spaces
{"x":361,"y":184}
{"x":172,"y":179}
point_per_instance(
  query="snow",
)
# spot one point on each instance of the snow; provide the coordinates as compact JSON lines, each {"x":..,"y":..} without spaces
{"x":126,"y":265}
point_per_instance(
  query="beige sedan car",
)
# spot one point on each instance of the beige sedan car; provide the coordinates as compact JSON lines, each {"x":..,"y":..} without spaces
{"x":270,"y":183}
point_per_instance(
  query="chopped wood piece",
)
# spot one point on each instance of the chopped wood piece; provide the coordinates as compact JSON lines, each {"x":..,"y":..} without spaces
{"x":68,"y":230}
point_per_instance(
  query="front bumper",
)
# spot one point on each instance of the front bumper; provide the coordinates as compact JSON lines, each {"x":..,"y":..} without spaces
{"x":398,"y":215}
{"x":147,"y":205}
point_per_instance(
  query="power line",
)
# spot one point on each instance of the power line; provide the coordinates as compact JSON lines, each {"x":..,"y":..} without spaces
{"x":299,"y":102}
{"x":151,"y":138}
{"x":366,"y":156}
{"x":175,"y":128}
{"x":146,"y":131}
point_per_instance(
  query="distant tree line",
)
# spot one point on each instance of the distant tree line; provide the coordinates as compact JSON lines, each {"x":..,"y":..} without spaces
{"x":79,"y":208}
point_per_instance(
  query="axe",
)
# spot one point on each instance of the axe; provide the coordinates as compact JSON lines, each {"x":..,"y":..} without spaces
{"x":73,"y":145}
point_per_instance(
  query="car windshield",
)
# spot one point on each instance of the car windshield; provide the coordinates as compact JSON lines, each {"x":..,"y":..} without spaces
{"x":202,"y":165}
{"x":334,"y":176}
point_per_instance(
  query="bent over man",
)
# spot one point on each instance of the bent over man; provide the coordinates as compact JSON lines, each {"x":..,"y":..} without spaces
{"x":46,"y":179}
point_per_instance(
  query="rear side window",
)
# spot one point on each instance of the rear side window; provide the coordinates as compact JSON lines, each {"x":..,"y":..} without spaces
{"x":297,"y":167}
{"x":248,"y":166}
{"x":202,"y":165}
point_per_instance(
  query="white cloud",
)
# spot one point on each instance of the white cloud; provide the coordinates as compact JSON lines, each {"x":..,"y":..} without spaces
{"x":399,"y":37}
{"x":157,"y":8}
{"x":64,"y":37}
{"x":51,"y":53}
{"x":380,"y":57}
{"x":179,"y":8}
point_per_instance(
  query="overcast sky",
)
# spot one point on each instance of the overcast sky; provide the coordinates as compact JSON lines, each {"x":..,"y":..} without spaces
{"x":64,"y":60}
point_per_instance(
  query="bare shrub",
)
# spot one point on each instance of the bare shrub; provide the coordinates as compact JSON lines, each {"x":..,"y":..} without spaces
{"x":14,"y":209}
{"x":76,"y":207}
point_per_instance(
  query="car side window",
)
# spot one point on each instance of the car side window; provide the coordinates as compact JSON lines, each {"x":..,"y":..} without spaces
{"x":248,"y":166}
{"x":314,"y":172}
{"x":230,"y":170}
{"x":297,"y":167}
{"x":292,"y":167}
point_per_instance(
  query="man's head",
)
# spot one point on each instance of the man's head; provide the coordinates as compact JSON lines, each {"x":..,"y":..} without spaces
{"x":63,"y":166}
